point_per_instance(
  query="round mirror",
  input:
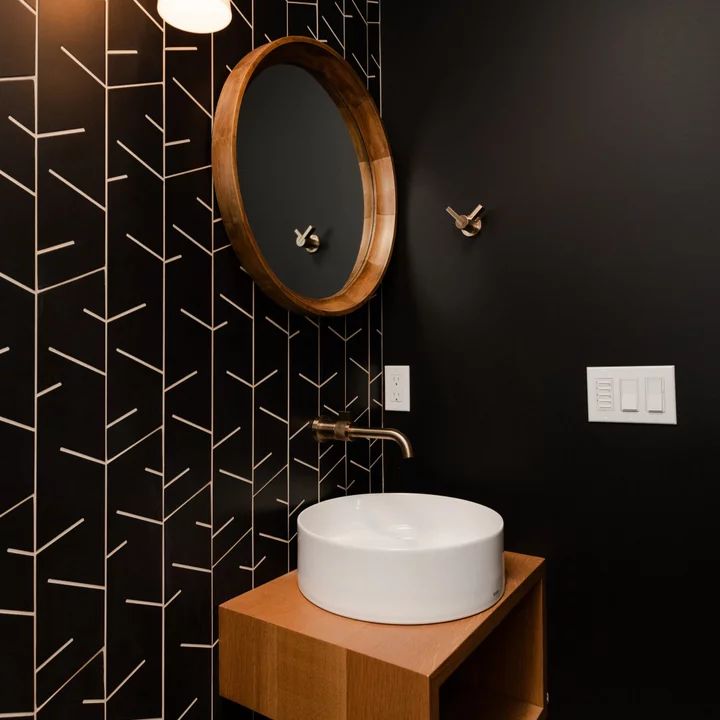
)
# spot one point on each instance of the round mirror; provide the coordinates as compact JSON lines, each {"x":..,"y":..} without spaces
{"x":300,"y":180}
{"x":304,"y":177}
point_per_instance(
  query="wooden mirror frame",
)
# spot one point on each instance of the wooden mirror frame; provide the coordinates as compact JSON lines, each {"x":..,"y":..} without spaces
{"x":375,"y":163}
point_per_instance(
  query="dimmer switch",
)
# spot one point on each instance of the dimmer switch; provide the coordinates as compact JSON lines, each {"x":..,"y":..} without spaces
{"x":605,"y":394}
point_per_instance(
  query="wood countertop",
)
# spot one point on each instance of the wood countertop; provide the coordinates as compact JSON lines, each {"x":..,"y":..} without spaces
{"x":289,"y":659}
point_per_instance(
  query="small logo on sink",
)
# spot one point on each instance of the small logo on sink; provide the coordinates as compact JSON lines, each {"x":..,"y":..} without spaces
{"x":496,"y":593}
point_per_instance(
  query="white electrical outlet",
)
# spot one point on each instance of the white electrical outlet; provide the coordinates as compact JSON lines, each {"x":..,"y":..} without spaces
{"x":397,"y":387}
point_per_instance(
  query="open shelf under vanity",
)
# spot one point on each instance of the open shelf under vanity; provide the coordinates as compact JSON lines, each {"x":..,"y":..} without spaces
{"x":282,"y":656}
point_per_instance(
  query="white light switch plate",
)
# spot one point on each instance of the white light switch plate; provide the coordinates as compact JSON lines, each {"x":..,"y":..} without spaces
{"x":644,"y":394}
{"x":397,"y":387}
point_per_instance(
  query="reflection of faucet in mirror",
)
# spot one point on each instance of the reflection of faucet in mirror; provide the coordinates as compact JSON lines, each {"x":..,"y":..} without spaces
{"x":325,"y":430}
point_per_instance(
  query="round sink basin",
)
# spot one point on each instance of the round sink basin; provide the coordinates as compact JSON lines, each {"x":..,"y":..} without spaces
{"x":401,"y":558}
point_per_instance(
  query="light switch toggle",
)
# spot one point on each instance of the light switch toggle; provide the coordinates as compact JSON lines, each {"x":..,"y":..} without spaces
{"x":655,"y":394}
{"x":632,"y":394}
{"x":629,"y":400}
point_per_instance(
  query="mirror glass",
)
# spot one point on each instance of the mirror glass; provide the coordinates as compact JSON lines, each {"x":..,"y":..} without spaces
{"x":298,"y":168}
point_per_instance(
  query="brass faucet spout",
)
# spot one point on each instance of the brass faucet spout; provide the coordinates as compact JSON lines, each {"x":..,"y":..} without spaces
{"x":342,"y":429}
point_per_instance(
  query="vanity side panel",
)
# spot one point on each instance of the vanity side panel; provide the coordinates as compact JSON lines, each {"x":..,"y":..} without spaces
{"x":280,"y":673}
{"x":398,"y":693}
{"x":248,"y":661}
{"x":312,"y":678}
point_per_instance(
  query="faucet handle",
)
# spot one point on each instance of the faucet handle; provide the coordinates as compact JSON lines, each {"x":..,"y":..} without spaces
{"x":343,"y":423}
{"x":325,"y":428}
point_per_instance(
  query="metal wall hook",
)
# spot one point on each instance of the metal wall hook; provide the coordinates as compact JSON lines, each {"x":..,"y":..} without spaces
{"x":470,"y":224}
{"x":307,"y":240}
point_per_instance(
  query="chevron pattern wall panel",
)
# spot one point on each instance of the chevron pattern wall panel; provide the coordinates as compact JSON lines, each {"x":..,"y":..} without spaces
{"x":154,"y":405}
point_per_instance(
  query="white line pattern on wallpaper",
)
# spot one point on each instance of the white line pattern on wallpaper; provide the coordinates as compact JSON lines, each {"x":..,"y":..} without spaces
{"x":129,"y":429}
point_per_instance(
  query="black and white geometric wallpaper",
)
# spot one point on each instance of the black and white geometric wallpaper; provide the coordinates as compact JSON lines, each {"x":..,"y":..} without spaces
{"x":154,"y":405}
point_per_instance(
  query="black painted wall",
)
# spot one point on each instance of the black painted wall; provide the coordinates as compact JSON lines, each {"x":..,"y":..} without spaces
{"x":153,"y":404}
{"x":591,"y":131}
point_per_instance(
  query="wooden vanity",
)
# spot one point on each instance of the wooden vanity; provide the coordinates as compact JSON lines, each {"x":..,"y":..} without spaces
{"x":282,"y":656}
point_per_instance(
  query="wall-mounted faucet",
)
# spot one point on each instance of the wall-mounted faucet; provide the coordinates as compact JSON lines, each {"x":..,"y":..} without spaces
{"x":327,"y":429}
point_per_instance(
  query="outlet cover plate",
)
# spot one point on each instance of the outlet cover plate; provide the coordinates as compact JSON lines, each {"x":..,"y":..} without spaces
{"x":397,"y":387}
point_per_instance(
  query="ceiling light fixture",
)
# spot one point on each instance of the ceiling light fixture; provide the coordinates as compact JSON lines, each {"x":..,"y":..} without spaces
{"x":196,"y":16}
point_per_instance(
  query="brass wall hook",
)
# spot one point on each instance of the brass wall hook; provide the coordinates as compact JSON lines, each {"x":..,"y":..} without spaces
{"x":470,"y":224}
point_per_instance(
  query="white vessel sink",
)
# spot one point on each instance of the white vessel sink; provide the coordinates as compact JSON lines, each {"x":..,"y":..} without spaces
{"x":401,"y":558}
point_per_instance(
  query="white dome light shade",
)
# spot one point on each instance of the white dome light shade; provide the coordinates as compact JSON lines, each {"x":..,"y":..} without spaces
{"x":196,"y":16}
